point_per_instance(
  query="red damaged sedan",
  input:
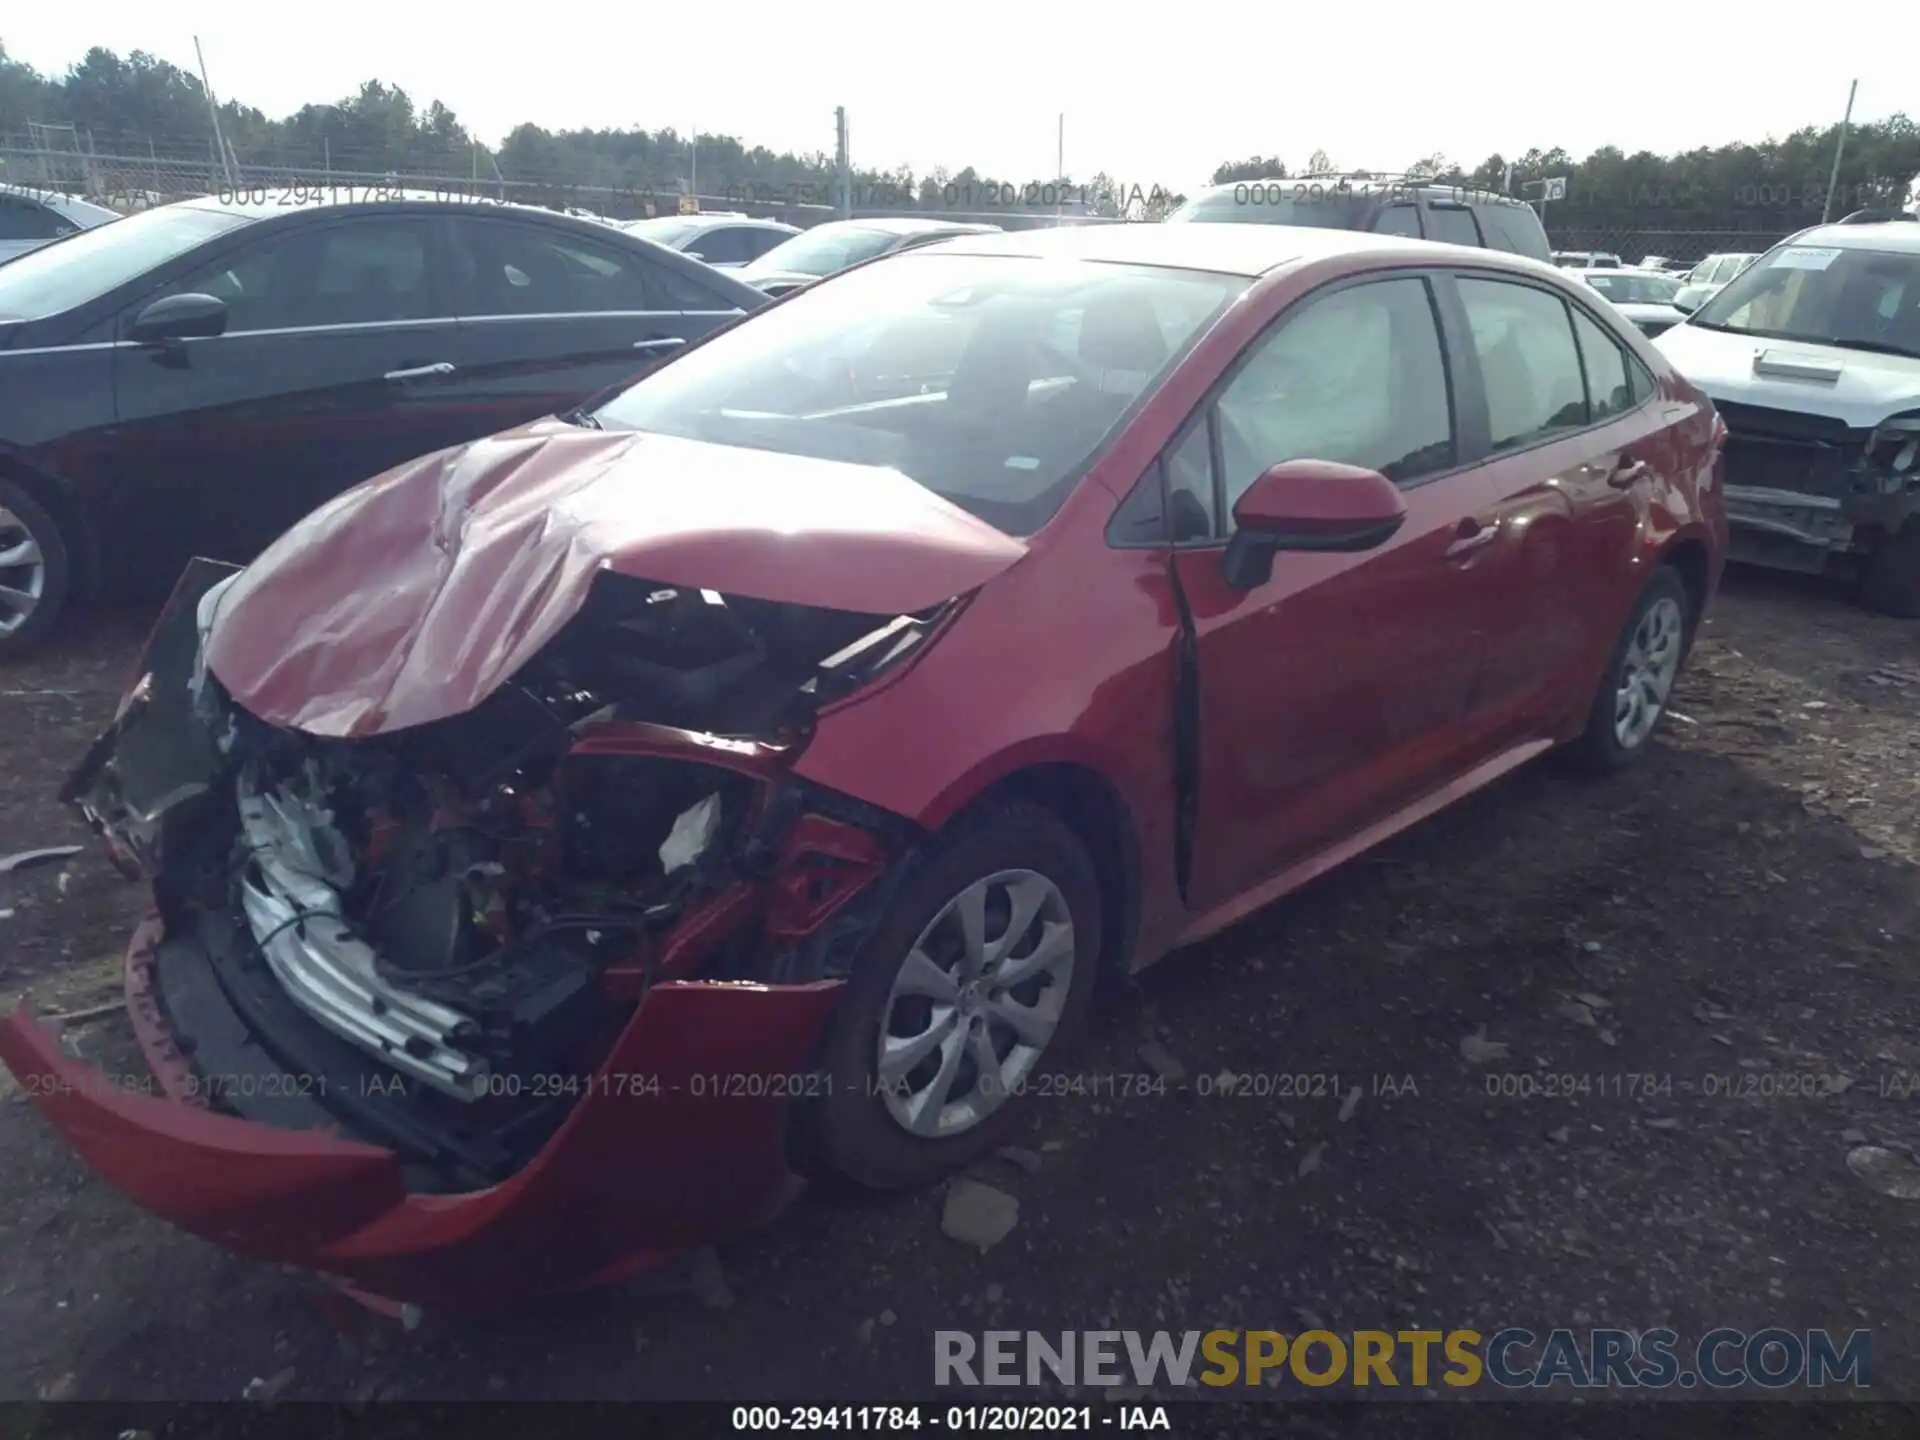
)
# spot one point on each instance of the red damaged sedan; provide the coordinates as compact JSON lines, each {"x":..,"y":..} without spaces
{"x":562,"y":842}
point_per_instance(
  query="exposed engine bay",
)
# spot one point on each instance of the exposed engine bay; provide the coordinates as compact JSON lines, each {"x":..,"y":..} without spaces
{"x":470,"y":909}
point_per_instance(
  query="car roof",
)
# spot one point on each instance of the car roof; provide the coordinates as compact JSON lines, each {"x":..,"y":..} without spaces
{"x":283,"y":200}
{"x":1633,"y":270}
{"x":712,"y":219}
{"x":913,"y":225}
{"x":1383,"y":185}
{"x":1227,"y":248}
{"x":1903,"y":235}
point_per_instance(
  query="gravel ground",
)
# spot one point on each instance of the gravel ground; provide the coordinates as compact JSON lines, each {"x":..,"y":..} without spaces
{"x":1714,"y":947}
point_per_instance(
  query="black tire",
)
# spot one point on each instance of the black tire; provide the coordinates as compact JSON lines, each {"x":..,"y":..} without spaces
{"x":1891,"y":583}
{"x":1598,"y":750}
{"x":57,"y":576}
{"x":848,"y":1132}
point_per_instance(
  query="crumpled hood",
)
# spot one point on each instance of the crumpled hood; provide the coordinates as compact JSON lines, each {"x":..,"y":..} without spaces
{"x":1869,"y":387}
{"x":412,"y":597}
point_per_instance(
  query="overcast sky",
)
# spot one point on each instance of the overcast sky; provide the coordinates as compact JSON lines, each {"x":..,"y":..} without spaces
{"x":1149,"y":95}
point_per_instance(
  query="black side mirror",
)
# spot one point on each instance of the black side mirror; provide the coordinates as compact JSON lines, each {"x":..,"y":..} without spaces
{"x":179,"y":317}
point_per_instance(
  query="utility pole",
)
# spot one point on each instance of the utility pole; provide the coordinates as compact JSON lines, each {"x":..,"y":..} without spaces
{"x":1060,"y":170}
{"x":1833,"y":180}
{"x":693,"y":165}
{"x":213,"y":114}
{"x":843,"y":162}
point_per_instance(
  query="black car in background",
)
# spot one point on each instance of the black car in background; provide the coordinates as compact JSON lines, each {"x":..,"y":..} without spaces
{"x":1451,"y":214}
{"x":723,"y":241}
{"x":195,"y":378}
{"x":838,"y":244}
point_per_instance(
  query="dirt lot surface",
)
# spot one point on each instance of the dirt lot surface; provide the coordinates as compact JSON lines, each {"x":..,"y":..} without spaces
{"x":1717,"y":950}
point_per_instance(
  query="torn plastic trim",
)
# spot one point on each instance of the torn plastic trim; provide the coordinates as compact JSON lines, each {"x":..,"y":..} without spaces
{"x":161,"y":752}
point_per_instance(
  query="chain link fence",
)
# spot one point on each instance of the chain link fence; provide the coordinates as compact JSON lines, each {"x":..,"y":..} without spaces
{"x":127,"y":181}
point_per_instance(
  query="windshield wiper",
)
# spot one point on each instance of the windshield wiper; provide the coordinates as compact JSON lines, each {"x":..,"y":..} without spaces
{"x":1699,"y":324}
{"x":581,"y":418}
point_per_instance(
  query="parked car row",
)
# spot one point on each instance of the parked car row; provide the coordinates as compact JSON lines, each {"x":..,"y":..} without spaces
{"x":562,"y":836}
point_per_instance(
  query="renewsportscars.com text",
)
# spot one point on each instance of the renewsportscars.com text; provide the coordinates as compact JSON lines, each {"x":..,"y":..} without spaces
{"x":1509,"y":1359}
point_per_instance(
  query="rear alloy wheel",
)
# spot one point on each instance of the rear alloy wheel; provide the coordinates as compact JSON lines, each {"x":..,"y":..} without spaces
{"x":33,"y":570}
{"x":1640,"y":677}
{"x":978,"y":975}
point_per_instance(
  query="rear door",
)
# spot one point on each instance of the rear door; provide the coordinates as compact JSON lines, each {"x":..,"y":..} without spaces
{"x":334,"y":366}
{"x":549,"y":316}
{"x":1565,"y":418}
{"x":1334,"y":693}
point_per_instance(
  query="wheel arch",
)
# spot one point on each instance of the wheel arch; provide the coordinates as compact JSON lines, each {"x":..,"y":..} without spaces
{"x":1090,"y":806}
{"x":1690,"y":559}
{"x":56,"y":497}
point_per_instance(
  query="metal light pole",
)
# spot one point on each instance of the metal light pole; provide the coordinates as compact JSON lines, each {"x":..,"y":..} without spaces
{"x":1060,"y":170}
{"x":843,"y":162}
{"x":1833,"y":180}
{"x":213,"y":114}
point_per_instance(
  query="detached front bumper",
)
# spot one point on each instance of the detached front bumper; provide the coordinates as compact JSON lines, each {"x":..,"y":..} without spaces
{"x":678,"y":1139}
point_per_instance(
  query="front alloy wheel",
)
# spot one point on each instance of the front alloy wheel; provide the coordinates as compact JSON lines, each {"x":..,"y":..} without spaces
{"x":975,"y":1004}
{"x":978,"y":973}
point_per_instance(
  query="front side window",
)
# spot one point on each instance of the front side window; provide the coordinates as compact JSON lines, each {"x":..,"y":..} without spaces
{"x":991,"y":380}
{"x":358,"y":272}
{"x":83,"y":267}
{"x":1355,"y":377}
{"x":722,"y":245}
{"x":1852,"y":298}
{"x":1531,"y":368}
{"x":507,"y":268}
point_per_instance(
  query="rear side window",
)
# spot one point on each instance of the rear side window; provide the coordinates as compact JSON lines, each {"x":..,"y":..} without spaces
{"x":1609,"y":388}
{"x":1398,"y":220}
{"x":509,"y":268}
{"x":23,"y":219}
{"x":1529,"y":363}
{"x":1453,"y":225}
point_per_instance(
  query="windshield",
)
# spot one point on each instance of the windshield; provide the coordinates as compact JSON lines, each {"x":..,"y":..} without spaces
{"x":1861,"y":299}
{"x":991,"y":380}
{"x":822,"y":250}
{"x":89,"y":263}
{"x":667,"y":230}
{"x":1279,"y":202}
{"x":1635,"y":289}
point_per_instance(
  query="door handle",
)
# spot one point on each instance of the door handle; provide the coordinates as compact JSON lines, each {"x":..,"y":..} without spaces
{"x":1466,"y":541}
{"x":1627,"y":472}
{"x":659,"y":342}
{"x":422,"y":372}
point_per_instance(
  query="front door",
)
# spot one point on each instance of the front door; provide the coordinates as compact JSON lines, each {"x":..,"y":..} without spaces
{"x":333,"y":367}
{"x":1336,"y":692}
{"x":550,"y":317}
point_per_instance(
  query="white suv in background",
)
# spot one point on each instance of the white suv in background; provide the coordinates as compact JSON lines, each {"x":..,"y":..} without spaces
{"x":1812,"y":357}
